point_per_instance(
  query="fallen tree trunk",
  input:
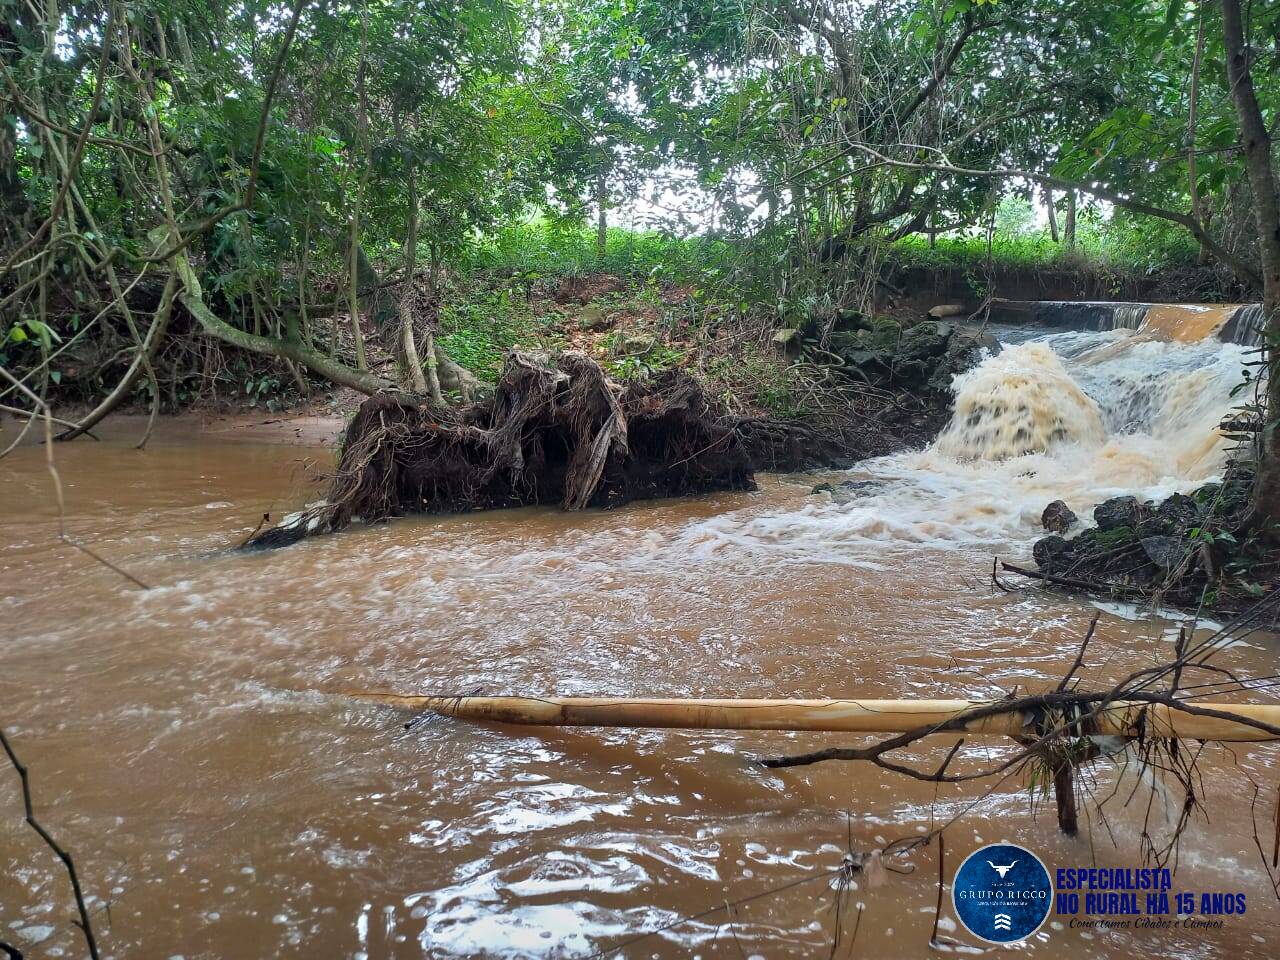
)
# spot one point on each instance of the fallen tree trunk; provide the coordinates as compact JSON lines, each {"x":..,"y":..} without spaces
{"x":1121,"y":718}
{"x":295,"y":350}
{"x":553,"y":432}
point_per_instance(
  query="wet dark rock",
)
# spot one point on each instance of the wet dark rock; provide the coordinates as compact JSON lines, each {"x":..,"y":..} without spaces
{"x":922,"y":358}
{"x":1165,"y":552}
{"x":1117,"y":512}
{"x":1053,"y":554}
{"x":1179,"y":510}
{"x":1058,"y":517}
{"x":923,"y":341}
{"x":963,"y":352}
{"x":851,"y":320}
{"x":1226,"y":499}
{"x":1111,"y":539}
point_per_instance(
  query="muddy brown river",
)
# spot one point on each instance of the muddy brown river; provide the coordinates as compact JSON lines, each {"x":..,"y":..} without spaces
{"x":194,"y":745}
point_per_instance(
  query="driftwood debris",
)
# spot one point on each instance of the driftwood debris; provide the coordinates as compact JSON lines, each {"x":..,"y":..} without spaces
{"x":1062,"y":728}
{"x":1130,"y":718}
{"x":554,"y":432}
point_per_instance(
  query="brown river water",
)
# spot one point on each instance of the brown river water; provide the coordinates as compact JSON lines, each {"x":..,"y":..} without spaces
{"x":194,"y":747}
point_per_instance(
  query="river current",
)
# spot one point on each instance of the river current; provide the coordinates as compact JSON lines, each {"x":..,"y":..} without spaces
{"x":195,"y":748}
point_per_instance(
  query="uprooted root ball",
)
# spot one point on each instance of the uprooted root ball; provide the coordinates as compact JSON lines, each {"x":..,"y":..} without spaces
{"x":553,"y":432}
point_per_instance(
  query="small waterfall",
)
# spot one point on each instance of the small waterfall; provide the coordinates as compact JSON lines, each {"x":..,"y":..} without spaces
{"x":1018,"y":402}
{"x":1184,"y":322}
{"x":1080,"y":391}
{"x":1125,"y":316}
{"x":1076,"y":415}
{"x":1246,"y":325}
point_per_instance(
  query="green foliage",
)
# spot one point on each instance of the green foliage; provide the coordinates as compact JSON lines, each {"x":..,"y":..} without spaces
{"x":1124,"y":244}
{"x":479,"y":323}
{"x":546,"y":248}
{"x":504,"y":129}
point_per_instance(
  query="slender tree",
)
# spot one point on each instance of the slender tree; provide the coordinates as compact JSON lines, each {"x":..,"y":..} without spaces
{"x":1266,"y":210}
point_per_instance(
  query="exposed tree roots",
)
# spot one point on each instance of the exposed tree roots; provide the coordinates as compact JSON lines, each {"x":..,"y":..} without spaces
{"x":556,"y":431}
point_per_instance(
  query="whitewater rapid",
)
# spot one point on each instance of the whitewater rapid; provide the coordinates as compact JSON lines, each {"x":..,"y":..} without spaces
{"x":1078,"y":416}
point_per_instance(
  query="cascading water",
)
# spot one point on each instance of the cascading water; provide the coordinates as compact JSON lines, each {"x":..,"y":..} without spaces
{"x":1246,"y":325}
{"x":1125,"y":316}
{"x":1079,"y":416}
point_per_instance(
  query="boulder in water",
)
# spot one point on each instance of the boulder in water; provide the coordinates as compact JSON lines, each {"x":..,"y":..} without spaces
{"x":1058,"y":517}
{"x":1117,"y":512}
{"x":1179,"y":510}
{"x":849,"y":489}
{"x":1142,"y":549}
{"x":964,"y":351}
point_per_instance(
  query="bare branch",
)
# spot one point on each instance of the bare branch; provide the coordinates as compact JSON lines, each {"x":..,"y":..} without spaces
{"x":86,"y":927}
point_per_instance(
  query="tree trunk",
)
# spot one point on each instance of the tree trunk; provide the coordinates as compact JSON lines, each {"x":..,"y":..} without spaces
{"x":1266,"y":208}
{"x":602,"y":222}
{"x":1053,"y":215}
{"x":452,"y":377}
{"x":353,"y":294}
{"x":141,"y":363}
{"x":294,"y":350}
{"x":1069,"y":228}
{"x":413,"y":366}
{"x":13,"y":197}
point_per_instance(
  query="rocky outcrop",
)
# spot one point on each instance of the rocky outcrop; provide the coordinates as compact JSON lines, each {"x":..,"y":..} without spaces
{"x":1191,"y":549}
{"x":923,"y":357}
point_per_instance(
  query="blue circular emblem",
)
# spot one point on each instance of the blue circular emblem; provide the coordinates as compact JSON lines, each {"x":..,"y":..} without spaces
{"x":1002,"y":893}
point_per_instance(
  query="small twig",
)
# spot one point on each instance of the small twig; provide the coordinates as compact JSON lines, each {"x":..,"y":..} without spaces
{"x":84,"y":924}
{"x":937,"y":908}
{"x":266,"y":518}
{"x":1079,"y":662}
{"x":1090,"y":585}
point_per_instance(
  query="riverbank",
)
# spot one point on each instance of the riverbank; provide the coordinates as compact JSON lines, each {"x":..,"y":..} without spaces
{"x":846,"y":386}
